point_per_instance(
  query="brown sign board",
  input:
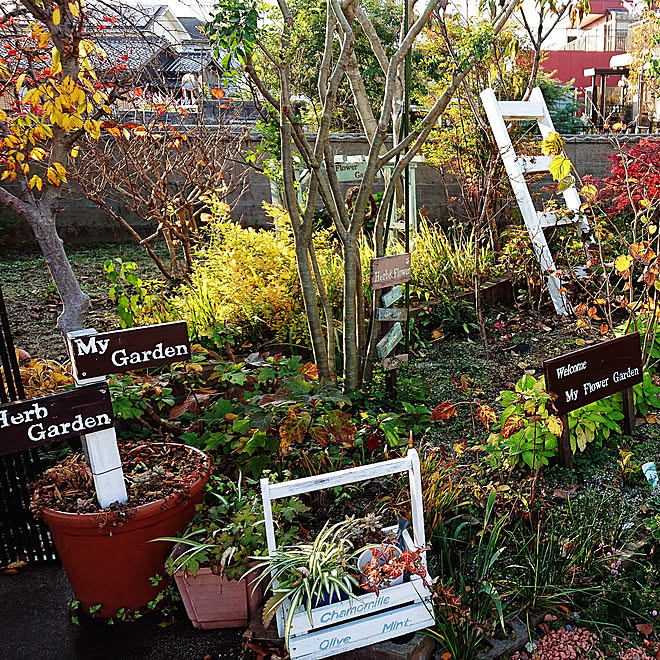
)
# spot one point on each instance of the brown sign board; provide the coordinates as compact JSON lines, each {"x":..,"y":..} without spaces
{"x":389,"y":271}
{"x":53,"y":418}
{"x":593,"y":373}
{"x":395,"y":362}
{"x":95,"y":355}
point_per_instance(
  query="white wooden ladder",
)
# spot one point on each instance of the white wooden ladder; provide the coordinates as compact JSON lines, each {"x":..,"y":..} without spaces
{"x":498,"y":113}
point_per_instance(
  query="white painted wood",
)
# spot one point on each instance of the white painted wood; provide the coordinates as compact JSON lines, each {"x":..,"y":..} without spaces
{"x":532,"y":164}
{"x":339,"y":478}
{"x":271,"y":542}
{"x":390,"y":618}
{"x":550,"y":219}
{"x":100,"y":448}
{"x":520,"y":110}
{"x":516,"y":175}
{"x":359,"y":606}
{"x":353,"y":635}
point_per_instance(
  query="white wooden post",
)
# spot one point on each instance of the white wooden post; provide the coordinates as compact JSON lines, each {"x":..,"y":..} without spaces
{"x":100,"y":448}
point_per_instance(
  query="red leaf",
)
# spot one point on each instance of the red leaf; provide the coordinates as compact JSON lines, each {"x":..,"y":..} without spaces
{"x":373,"y":442}
{"x":339,"y":426}
{"x":645,"y":628}
{"x":445,"y":410}
{"x":293,"y":429}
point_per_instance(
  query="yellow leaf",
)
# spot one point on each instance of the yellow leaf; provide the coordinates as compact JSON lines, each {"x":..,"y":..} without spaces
{"x":560,"y":167}
{"x":36,"y":182}
{"x":75,"y":151}
{"x":56,"y":16}
{"x":3,"y":115}
{"x":74,"y":9}
{"x":19,"y":81}
{"x":38,"y":153}
{"x":552,"y":144}
{"x":555,"y":425}
{"x":622,"y":263}
{"x":52,"y":177}
{"x":589,"y":191}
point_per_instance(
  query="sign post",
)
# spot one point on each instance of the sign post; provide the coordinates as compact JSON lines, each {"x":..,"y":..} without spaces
{"x":391,"y":272}
{"x":591,"y":374}
{"x":93,"y":357}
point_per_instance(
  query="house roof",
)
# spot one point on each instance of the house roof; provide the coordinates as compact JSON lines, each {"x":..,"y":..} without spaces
{"x":191,"y":24}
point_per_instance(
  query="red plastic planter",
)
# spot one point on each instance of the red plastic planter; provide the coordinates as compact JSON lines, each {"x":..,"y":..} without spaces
{"x":113,"y":567}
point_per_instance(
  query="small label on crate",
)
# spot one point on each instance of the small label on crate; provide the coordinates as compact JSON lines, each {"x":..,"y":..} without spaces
{"x":359,"y":608}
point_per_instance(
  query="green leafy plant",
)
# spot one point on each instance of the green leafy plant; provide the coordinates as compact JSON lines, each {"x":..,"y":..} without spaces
{"x":594,"y":422}
{"x":308,"y":573}
{"x":135,"y":300}
{"x":224,"y":535}
{"x":527,"y":432}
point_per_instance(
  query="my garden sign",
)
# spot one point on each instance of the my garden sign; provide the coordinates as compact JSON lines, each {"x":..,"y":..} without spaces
{"x":590,"y":374}
{"x":93,"y":356}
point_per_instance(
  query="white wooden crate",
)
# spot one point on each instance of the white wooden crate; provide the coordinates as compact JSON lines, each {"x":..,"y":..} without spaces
{"x":362,"y":619}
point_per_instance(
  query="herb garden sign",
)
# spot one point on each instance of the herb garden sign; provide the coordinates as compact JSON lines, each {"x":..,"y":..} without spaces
{"x":363,"y":619}
{"x":590,"y":374}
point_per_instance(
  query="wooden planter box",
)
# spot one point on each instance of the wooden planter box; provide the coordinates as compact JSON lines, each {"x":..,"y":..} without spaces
{"x":212,"y":601}
{"x":362,"y":619}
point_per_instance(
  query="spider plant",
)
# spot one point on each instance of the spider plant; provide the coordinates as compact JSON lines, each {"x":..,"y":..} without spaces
{"x":306,"y":574}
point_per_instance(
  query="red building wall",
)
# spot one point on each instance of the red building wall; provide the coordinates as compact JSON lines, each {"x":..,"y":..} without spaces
{"x":570,"y":64}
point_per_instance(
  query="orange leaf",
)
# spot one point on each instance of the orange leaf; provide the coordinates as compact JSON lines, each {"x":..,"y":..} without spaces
{"x":445,"y":410}
{"x":645,"y":628}
{"x":138,"y":91}
{"x":218,"y":93}
{"x":487,"y":415}
{"x":445,"y":656}
{"x":512,"y":425}
{"x":309,"y":370}
{"x":604,"y":329}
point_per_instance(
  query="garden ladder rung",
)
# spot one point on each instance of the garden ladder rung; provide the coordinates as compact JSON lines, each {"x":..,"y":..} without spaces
{"x":521,"y":110}
{"x":550,"y":219}
{"x":532,"y":164}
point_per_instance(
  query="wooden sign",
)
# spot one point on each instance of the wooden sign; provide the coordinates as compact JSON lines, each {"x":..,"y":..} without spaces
{"x":395,"y":362}
{"x":388,"y":271}
{"x":391,"y":296}
{"x":34,"y":422}
{"x":391,"y":314}
{"x":95,"y":355}
{"x":593,"y":373}
{"x":386,"y":345}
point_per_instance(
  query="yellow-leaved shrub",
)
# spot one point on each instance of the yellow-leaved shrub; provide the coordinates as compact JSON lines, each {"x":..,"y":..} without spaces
{"x":247,"y":278}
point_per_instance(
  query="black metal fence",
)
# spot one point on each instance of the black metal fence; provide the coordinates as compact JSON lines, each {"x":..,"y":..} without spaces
{"x":21,"y":536}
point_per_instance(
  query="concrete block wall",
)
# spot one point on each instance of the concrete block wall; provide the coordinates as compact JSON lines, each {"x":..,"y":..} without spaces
{"x":82,"y":222}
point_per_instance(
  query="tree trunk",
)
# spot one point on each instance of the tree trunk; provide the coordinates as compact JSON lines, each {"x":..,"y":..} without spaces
{"x":351,"y":358}
{"x":76,"y":303}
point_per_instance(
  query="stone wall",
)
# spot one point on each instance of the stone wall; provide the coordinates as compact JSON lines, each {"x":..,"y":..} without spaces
{"x":81,"y":222}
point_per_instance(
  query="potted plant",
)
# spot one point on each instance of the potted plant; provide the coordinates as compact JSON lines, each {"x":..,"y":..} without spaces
{"x":308,"y":574}
{"x":387,"y":565}
{"x":210,"y":559}
{"x":106,"y":552}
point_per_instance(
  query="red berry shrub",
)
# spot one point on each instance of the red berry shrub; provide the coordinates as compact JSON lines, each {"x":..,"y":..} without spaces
{"x":634,"y":177}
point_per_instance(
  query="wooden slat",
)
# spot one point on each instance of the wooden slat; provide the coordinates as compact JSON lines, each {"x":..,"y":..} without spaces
{"x":520,"y":110}
{"x":339,"y":478}
{"x":531,"y":164}
{"x":353,"y":635}
{"x":549,"y":219}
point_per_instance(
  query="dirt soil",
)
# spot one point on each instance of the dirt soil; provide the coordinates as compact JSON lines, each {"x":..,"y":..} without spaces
{"x":33,"y":303}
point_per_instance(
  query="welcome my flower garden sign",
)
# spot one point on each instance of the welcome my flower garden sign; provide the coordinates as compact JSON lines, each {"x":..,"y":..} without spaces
{"x":581,"y":377}
{"x":367,"y":618}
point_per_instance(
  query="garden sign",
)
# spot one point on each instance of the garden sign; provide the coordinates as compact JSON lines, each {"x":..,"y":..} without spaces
{"x":390,"y":272}
{"x":96,"y":355}
{"x":590,"y":374}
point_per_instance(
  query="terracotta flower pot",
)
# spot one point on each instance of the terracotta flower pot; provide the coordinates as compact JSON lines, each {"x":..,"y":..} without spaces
{"x":213,"y":601}
{"x":113,"y":567}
